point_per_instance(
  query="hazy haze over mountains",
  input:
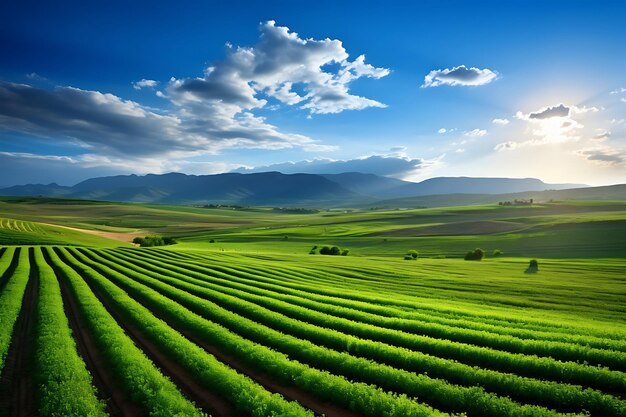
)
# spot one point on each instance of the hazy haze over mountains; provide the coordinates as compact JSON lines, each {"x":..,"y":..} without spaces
{"x":275,"y":188}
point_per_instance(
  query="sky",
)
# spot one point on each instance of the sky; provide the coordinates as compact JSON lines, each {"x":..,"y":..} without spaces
{"x":410,"y":89}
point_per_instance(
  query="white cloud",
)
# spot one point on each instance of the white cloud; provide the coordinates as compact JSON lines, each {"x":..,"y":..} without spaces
{"x":476,"y":133}
{"x":548,"y":112}
{"x":623,"y":100}
{"x":459,"y":76}
{"x":280,"y":61}
{"x":618,"y":91}
{"x":501,"y":122}
{"x":210,"y":113}
{"x":138,"y":85}
{"x":442,"y":130}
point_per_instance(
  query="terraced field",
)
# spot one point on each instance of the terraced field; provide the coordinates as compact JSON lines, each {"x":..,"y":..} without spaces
{"x":155,"y":332}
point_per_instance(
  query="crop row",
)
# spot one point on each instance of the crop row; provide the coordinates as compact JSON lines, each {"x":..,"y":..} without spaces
{"x":462,"y":330}
{"x":528,"y":390}
{"x":11,"y":297}
{"x":438,"y":393}
{"x":364,"y":399}
{"x":137,"y":375}
{"x":532,"y":366}
{"x":64,"y":385}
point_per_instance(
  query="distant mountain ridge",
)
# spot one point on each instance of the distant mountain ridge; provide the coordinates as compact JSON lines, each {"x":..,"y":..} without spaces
{"x":274,"y":188}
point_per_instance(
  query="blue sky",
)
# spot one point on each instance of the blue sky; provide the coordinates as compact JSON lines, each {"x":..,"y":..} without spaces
{"x":516,"y":89}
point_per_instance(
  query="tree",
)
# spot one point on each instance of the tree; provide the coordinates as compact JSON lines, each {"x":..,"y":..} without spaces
{"x":345,"y":252}
{"x":497,"y":253}
{"x":533,"y":267}
{"x":325,"y":250}
{"x":335,"y":250}
{"x":475,"y":255}
{"x":413,"y":254}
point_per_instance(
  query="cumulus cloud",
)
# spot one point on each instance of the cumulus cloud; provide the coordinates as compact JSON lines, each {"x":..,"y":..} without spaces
{"x":560,"y":110}
{"x":476,"y":133}
{"x":281,"y":60}
{"x":459,"y":76}
{"x":376,"y":164}
{"x":205,"y":114}
{"x":442,"y":130}
{"x":138,"y":85}
{"x":501,"y":122}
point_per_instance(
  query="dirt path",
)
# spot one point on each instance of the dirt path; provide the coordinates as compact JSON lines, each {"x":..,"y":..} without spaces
{"x":16,"y":383}
{"x":122,"y":237}
{"x":203,"y":397}
{"x":118,"y":404}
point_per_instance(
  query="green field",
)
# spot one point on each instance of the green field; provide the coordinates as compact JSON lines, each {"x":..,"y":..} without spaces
{"x":251,"y":324}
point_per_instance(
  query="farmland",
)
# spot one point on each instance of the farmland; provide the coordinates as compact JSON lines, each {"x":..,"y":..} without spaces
{"x":251,"y":324}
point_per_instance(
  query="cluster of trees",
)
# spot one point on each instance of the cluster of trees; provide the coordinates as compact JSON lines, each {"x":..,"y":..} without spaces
{"x":295,"y":210}
{"x":329,"y":250}
{"x":475,"y":255}
{"x":150,"y":241}
{"x":411,"y":255}
{"x":516,"y":203}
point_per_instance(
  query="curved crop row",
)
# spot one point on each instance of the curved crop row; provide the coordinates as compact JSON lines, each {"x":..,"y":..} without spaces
{"x":558,"y":349}
{"x":138,"y":376}
{"x":316,"y":280}
{"x":532,"y":366}
{"x":528,"y":390}
{"x":364,"y":399}
{"x":64,"y":385}
{"x":249,"y":397}
{"x":438,"y":393}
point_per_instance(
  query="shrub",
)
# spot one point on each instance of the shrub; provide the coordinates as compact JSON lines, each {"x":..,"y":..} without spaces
{"x":413,"y":254}
{"x":150,"y":241}
{"x":475,"y":255}
{"x":408,"y":258}
{"x":497,"y":253}
{"x":212,"y":241}
{"x":533,"y":267}
{"x":330,"y":250}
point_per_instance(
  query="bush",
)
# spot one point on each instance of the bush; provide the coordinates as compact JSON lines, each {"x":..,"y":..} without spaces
{"x":212,"y":241}
{"x":533,"y":267}
{"x":312,"y":252}
{"x":475,"y":255}
{"x":328,"y":250}
{"x":149,"y":241}
{"x":413,"y":254}
{"x":497,"y":253}
{"x":408,"y":258}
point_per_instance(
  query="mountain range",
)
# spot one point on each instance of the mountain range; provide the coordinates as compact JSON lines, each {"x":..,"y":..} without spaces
{"x":276,"y":189}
